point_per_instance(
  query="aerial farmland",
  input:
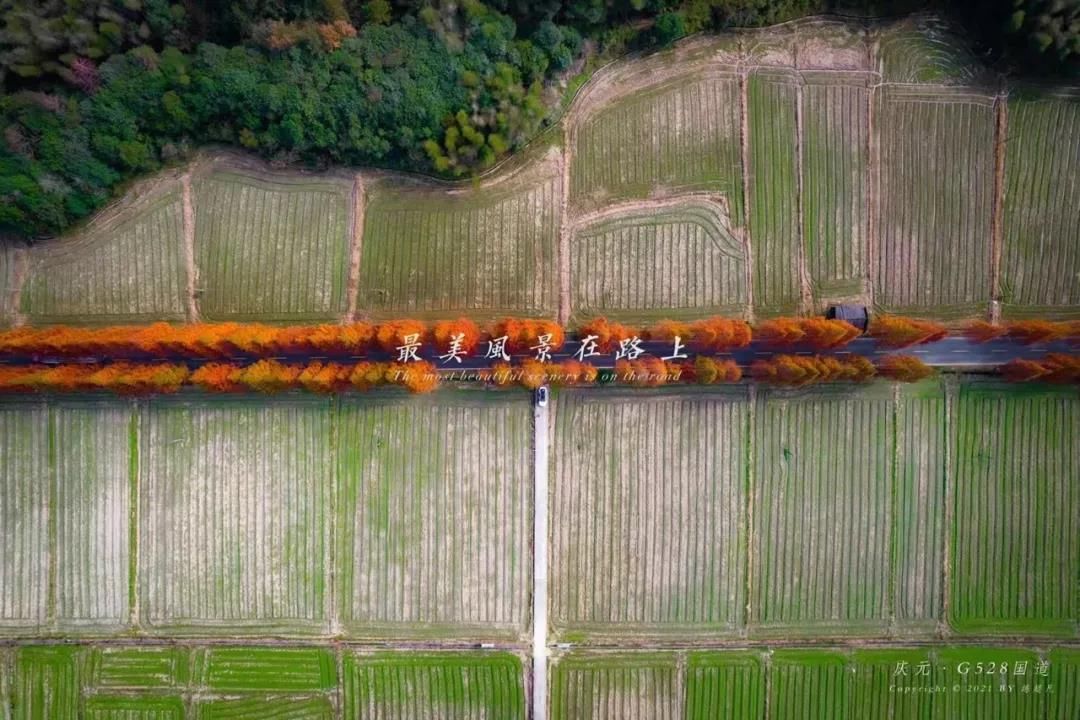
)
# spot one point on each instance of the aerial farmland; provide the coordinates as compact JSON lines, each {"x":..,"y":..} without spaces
{"x":254,"y":544}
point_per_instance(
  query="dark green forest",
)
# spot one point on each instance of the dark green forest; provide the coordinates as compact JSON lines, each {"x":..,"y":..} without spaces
{"x":96,"y":92}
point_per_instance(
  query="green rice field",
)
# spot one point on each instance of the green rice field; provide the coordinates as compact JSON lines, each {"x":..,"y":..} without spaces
{"x":237,"y":682}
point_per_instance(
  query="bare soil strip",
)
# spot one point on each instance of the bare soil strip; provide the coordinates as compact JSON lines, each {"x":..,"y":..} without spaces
{"x":748,"y":507}
{"x":565,"y":228}
{"x":871,"y":179}
{"x":744,"y":137}
{"x":998,"y":220}
{"x":22,"y":270}
{"x":633,"y":206}
{"x":189,"y":247}
{"x":356,"y":243}
{"x":806,"y":300}
{"x":951,"y":390}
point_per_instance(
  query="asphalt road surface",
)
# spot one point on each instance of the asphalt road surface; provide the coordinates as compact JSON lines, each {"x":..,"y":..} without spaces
{"x":950,"y":353}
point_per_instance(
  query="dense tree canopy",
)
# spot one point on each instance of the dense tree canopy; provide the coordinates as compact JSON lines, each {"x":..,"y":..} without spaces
{"x":98,"y":91}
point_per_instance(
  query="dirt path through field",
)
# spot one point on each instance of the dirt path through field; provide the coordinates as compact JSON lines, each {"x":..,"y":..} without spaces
{"x":356,"y":243}
{"x":188,"y":207}
{"x":565,"y":228}
{"x":997,"y":222}
{"x":744,"y":138}
{"x":806,"y":300}
{"x":22,"y":269}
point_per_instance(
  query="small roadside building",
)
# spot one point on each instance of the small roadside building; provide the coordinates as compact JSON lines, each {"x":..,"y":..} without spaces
{"x":857,"y":315}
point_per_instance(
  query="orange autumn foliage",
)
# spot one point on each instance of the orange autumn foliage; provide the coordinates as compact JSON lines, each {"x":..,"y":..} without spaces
{"x":710,"y":371}
{"x":218,"y":377}
{"x":205,"y":340}
{"x":668,"y":330}
{"x":893,"y":331}
{"x":647,"y":372}
{"x":392,"y":335}
{"x":502,"y":374}
{"x":1030,"y":332}
{"x":417,"y":377}
{"x":1022,"y":370}
{"x":1054,"y":368}
{"x":524,"y":334}
{"x":982,"y":331}
{"x":533,"y":373}
{"x":800,"y":370}
{"x":904,"y":368}
{"x":572,"y":372}
{"x":608,"y":334}
{"x":446,"y":331}
{"x":319,"y":377}
{"x":122,"y":378}
{"x":366,"y":375}
{"x":717,"y":334}
{"x":270,"y":376}
{"x":817,"y":332}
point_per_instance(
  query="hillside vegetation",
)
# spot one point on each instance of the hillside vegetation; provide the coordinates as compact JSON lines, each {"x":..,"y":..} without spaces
{"x":98,"y":92}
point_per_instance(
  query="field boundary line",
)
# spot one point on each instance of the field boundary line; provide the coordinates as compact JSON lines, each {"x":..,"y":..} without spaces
{"x":50,"y":619}
{"x":872,"y":165}
{"x":356,"y":244}
{"x":540,"y":561}
{"x":951,"y":440}
{"x":744,"y":141}
{"x":192,"y":271}
{"x":566,"y":228}
{"x":22,"y":271}
{"x":134,"y":517}
{"x":748,"y":504}
{"x":805,"y":295}
{"x":997,"y":220}
{"x":334,"y":547}
{"x":894,"y":515}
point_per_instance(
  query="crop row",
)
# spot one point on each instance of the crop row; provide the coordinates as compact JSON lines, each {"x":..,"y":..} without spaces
{"x":254,"y":683}
{"x":771,"y":512}
{"x":939,"y":683}
{"x":378,"y":516}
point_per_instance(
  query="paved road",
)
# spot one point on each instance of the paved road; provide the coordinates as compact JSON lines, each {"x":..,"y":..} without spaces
{"x":952,"y":352}
{"x":540,"y":561}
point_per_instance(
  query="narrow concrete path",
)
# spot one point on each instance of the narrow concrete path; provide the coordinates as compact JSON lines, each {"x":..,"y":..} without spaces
{"x":540,"y":561}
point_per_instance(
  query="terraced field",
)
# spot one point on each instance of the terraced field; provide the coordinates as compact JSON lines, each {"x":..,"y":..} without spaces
{"x":1042,"y":168}
{"x":191,"y":517}
{"x":672,"y":135}
{"x":935,"y":202}
{"x":254,"y":683}
{"x":433,"y":252}
{"x":271,"y":246}
{"x":838,"y":161}
{"x":676,"y":260}
{"x":127,"y":267}
{"x":825,"y":683}
{"x":1017,"y":534}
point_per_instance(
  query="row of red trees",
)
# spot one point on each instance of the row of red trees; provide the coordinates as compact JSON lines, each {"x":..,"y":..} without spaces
{"x":1054,"y":368}
{"x":267,"y":376}
{"x":223,"y":340}
{"x":271,"y":376}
